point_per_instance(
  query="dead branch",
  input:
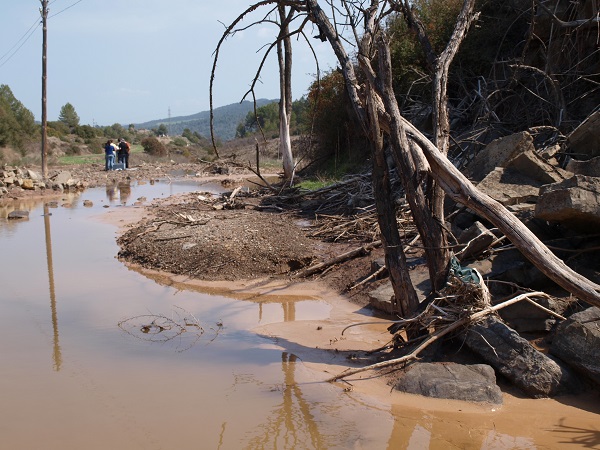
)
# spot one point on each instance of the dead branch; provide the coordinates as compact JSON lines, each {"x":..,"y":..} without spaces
{"x":366,"y":280}
{"x":338,"y":259}
{"x":436,"y":336}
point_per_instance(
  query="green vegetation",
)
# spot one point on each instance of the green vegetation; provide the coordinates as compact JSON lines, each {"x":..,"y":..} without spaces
{"x":267,"y":120}
{"x":68,"y":116}
{"x":153,"y":146}
{"x":316,"y":183}
{"x":81,"y":159}
{"x":17,"y":123}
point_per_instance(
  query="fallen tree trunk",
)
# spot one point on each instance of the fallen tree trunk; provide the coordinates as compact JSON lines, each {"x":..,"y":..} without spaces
{"x":338,"y":259}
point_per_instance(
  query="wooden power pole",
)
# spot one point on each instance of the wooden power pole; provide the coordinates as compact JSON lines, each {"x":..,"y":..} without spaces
{"x":44,"y":12}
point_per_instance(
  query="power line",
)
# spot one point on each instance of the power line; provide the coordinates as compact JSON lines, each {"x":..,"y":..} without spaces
{"x":37,"y":22}
{"x":28,"y":33}
{"x":63,"y":10}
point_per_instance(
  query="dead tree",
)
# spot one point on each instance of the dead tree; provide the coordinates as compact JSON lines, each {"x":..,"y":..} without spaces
{"x":417,"y":148}
{"x":283,"y":47}
{"x":440,"y":67}
{"x":284,"y":58}
{"x":416,"y":156}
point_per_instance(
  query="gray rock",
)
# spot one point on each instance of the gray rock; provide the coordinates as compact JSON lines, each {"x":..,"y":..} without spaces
{"x":498,"y":153}
{"x":590,"y":168}
{"x":476,"y":239}
{"x":574,"y":202}
{"x":473,"y":383}
{"x":382,"y":297}
{"x":16,"y":215}
{"x":510,"y":187}
{"x":525,"y":317}
{"x":63,"y":178}
{"x":534,"y":373}
{"x":529,"y":163}
{"x":33,"y":175}
{"x":585,"y":139}
{"x":577,"y":342}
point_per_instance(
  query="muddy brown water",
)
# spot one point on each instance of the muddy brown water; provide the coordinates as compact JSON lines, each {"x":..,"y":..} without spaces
{"x":94,"y":356}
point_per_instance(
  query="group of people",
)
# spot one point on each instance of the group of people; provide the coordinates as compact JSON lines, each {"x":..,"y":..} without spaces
{"x":119,"y":151}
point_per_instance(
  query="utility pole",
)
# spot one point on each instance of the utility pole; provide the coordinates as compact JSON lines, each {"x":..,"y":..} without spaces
{"x":44,"y":12}
{"x":169,"y":128}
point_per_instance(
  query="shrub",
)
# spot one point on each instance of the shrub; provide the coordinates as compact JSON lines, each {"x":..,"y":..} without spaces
{"x":154,"y":147}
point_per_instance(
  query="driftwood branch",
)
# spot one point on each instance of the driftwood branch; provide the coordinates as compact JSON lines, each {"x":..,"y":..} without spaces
{"x":436,"y":336}
{"x":338,"y":259}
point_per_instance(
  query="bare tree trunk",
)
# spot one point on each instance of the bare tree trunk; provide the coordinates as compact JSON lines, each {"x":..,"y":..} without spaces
{"x":413,"y":169}
{"x":440,"y":67}
{"x":284,"y":56}
{"x":405,"y":301}
{"x":429,"y":229}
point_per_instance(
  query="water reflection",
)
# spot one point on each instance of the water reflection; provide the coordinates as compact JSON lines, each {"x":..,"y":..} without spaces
{"x":292,"y":423}
{"x":271,"y":305}
{"x":118,"y":191}
{"x":56,"y":355}
{"x":124,"y":191}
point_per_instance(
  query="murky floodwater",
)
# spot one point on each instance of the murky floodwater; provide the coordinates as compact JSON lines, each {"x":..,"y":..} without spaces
{"x":95,"y":356}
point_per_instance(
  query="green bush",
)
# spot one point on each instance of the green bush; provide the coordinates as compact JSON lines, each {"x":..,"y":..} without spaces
{"x":154,"y":147}
{"x":180,"y":142}
{"x":73,"y":150}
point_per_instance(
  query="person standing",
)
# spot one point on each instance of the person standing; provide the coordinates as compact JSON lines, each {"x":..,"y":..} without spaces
{"x":124,"y":148}
{"x":110,"y":150}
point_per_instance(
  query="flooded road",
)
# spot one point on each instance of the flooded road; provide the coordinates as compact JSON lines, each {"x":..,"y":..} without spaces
{"x":99,"y":356}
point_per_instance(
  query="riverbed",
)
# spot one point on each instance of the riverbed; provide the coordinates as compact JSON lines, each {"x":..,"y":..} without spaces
{"x":100,"y":355}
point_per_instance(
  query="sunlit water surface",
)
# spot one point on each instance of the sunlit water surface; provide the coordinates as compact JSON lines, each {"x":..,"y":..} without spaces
{"x":86,"y":364}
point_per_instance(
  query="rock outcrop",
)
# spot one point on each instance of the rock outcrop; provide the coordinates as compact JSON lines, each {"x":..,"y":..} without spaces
{"x":512,"y":356}
{"x":14,"y":180}
{"x":577,"y":342}
{"x":472,"y":383}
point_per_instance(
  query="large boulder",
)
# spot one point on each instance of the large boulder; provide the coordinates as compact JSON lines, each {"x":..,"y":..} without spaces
{"x":64,"y":179}
{"x":574,"y":202}
{"x":585,"y":139}
{"x":525,"y":317}
{"x":590,"y":168}
{"x":577,"y":342}
{"x":510,"y":187}
{"x":472,"y":383}
{"x":498,"y":153}
{"x":534,"y":166}
{"x":505,"y":350}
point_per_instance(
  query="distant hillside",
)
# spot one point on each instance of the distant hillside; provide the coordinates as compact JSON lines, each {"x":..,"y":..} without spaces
{"x":226,"y":120}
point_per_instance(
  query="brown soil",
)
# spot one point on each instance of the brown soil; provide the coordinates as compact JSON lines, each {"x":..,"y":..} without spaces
{"x":186,"y":235}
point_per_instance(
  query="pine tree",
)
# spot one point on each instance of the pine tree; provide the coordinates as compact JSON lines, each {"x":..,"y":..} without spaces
{"x":69,"y":116}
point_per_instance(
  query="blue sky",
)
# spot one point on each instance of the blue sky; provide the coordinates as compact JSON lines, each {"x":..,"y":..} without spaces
{"x":130,"y":61}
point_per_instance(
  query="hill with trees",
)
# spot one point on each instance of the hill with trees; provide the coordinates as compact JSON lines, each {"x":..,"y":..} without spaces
{"x":226,"y":120}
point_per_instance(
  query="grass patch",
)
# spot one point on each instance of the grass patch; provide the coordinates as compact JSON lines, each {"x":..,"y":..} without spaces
{"x":69,"y":160}
{"x":92,"y":158}
{"x":316,"y":183}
